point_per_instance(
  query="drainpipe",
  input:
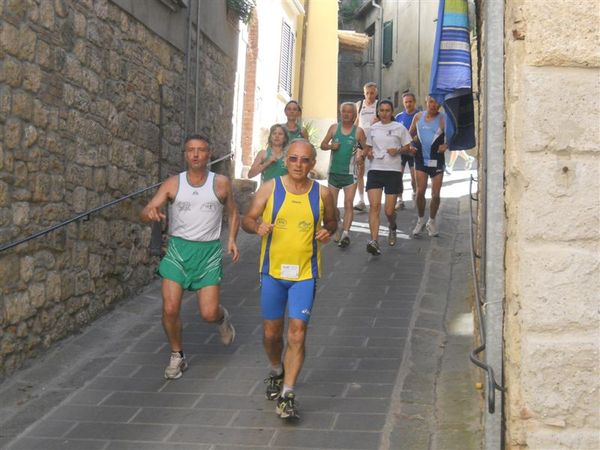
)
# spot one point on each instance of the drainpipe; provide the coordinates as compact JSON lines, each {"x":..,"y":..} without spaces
{"x":197,"y":82}
{"x":187,"y":80}
{"x":493,"y":212}
{"x":419,"y":51}
{"x":380,"y":47}
{"x":303,"y":52}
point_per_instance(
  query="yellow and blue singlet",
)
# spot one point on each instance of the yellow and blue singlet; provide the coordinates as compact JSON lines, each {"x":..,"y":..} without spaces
{"x":290,"y":251}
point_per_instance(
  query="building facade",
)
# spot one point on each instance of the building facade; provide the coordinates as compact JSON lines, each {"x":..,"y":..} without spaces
{"x":540,"y":209}
{"x":399,"y":52}
{"x":552,"y":179}
{"x":291,"y":49}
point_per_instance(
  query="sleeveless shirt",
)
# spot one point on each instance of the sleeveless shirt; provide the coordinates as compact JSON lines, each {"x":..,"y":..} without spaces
{"x":276,"y":169}
{"x":290,"y":251}
{"x":428,"y":132}
{"x":196,"y":212}
{"x":296,"y":134}
{"x":341,"y":159}
{"x":366,"y":114}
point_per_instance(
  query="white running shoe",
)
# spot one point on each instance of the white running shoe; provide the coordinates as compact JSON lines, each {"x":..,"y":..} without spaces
{"x":176,"y":367}
{"x":360,"y":206}
{"x":419,"y":227}
{"x":226,"y":329}
{"x":338,"y":232}
{"x":469,"y":163}
{"x":432,"y":228}
{"x":400,"y":204}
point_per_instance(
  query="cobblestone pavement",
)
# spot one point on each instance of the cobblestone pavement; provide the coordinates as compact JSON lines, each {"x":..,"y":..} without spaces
{"x":387,"y":361}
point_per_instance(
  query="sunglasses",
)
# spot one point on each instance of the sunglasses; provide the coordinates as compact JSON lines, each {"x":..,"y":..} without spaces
{"x":302,"y":159}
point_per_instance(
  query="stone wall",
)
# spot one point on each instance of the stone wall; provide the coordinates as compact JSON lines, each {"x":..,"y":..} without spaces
{"x":552,"y":208}
{"x":80,"y":108}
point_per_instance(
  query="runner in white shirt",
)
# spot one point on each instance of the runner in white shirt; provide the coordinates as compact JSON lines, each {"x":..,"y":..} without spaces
{"x":386,"y":141}
{"x":367,"y":115}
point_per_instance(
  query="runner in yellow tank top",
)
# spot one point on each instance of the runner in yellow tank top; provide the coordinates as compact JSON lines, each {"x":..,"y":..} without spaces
{"x":291,"y":251}
{"x":293,"y":215}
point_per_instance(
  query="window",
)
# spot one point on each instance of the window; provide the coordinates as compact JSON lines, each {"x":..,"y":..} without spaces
{"x":286,"y":64}
{"x":175,"y":5}
{"x":388,"y":42}
{"x":370,"y":31}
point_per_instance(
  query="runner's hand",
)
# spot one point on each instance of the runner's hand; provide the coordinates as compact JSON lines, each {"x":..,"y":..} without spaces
{"x":233,"y":251}
{"x":264,"y":228}
{"x":442,"y":148}
{"x":155,"y":215}
{"x":323,"y":236}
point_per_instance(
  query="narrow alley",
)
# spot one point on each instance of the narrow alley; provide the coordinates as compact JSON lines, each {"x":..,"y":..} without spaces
{"x":387,"y":360}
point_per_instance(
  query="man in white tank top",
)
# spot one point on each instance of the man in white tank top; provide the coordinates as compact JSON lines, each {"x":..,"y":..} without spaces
{"x":366,"y":116}
{"x":193,"y":260}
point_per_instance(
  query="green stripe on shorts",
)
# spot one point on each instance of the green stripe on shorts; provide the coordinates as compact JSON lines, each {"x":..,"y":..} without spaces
{"x":192,"y":264}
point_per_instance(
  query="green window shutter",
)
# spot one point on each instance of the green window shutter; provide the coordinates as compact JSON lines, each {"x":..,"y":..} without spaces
{"x":388,"y":42}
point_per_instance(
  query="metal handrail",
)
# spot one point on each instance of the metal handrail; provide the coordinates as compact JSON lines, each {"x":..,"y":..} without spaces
{"x":491,"y":381}
{"x":86,"y":215}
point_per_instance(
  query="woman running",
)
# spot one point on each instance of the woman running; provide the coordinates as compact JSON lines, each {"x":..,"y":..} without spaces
{"x":386,"y":141}
{"x":293,"y":126}
{"x":270,"y":162}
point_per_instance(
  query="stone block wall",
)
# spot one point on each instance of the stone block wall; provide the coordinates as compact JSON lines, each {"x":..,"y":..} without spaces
{"x":552,"y":325}
{"x":80,"y":107}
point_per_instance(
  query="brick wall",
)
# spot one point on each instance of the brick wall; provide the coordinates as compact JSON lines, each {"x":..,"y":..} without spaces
{"x":79,"y":126}
{"x":249,"y":95}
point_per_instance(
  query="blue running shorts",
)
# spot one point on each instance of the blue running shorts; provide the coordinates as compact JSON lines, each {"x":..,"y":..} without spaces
{"x":275,"y":294}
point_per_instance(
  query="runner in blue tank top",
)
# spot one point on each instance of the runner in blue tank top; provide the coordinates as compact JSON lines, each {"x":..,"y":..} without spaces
{"x":428,"y":131}
{"x":405,"y":118}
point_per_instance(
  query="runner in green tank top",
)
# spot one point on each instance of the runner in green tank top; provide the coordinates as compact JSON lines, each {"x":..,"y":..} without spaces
{"x":344,"y":140}
{"x":293,"y":126}
{"x":270,"y":162}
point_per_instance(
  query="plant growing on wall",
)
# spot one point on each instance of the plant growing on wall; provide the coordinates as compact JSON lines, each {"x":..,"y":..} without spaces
{"x":313,"y":133}
{"x":243,"y":8}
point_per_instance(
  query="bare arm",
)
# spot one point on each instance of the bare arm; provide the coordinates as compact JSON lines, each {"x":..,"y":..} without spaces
{"x":329,"y":221}
{"x":251,"y":223}
{"x":413,"y":125}
{"x":259,"y":164}
{"x":225,"y":193}
{"x":325,"y":144}
{"x":166,"y":192}
{"x":443,"y":147}
{"x":304,"y":133}
{"x":362,"y":142}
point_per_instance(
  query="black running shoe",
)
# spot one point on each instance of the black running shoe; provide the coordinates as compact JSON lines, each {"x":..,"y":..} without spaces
{"x":373,"y":248}
{"x":286,"y":406}
{"x":274,"y":384}
{"x":392,"y":236}
{"x":344,"y":242}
